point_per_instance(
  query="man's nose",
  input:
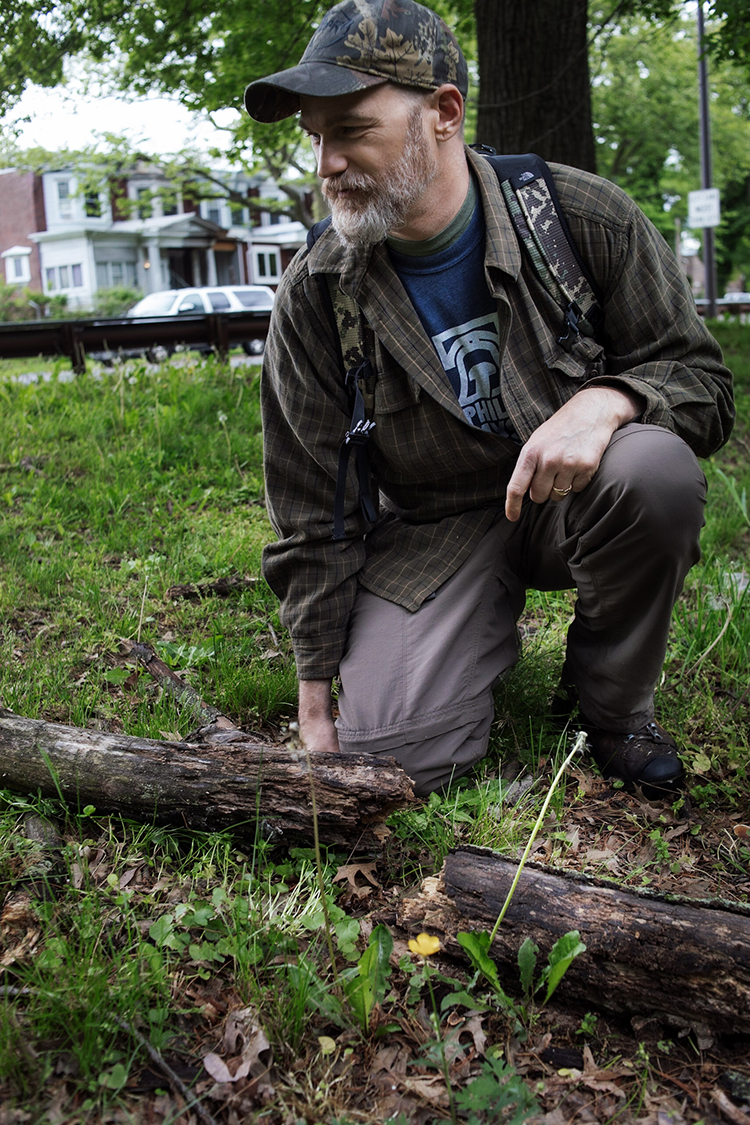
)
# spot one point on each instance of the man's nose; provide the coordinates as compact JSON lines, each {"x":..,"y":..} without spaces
{"x":331,"y":159}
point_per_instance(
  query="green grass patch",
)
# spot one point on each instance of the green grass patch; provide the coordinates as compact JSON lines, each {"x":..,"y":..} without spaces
{"x":120,"y":484}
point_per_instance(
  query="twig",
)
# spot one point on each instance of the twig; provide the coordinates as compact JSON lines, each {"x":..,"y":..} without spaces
{"x":143,"y":606}
{"x":176,"y":687}
{"x":174,"y":1080}
{"x":728,"y":1108}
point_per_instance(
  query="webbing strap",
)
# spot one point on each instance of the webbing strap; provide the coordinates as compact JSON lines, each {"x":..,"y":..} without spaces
{"x":534,"y":209}
{"x":359,"y":380}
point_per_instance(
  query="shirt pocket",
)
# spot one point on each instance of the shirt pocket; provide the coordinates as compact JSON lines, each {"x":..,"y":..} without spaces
{"x":395,"y":391}
{"x":585,"y":360}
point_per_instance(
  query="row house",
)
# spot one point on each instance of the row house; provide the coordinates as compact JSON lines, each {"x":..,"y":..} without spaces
{"x":55,"y":239}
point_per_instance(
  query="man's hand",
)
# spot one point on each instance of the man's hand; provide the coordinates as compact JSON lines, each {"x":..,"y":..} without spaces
{"x":316,"y":728}
{"x":564,"y":453}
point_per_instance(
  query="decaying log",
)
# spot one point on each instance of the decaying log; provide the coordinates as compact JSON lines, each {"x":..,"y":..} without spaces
{"x":237,"y":783}
{"x":681,"y":959}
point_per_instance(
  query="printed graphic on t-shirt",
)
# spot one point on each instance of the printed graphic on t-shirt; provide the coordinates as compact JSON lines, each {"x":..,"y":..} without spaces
{"x":470,"y":354}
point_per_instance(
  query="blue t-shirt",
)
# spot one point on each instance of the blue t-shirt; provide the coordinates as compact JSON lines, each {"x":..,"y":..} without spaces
{"x":449,"y":292}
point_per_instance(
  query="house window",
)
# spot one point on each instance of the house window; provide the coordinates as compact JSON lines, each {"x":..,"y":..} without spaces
{"x":51,"y":280}
{"x":17,"y":265}
{"x":238,"y":216}
{"x":145,"y":207}
{"x":102,"y":275}
{"x":214,"y":215}
{"x":267,"y":265}
{"x":77,"y":273}
{"x":64,"y":202}
{"x":93,"y":207}
{"x":64,"y":278}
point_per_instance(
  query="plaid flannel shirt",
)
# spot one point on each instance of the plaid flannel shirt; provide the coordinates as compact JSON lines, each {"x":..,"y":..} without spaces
{"x":441,"y":479}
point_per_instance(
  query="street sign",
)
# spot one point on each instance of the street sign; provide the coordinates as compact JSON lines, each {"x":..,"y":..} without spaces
{"x":704,"y":209}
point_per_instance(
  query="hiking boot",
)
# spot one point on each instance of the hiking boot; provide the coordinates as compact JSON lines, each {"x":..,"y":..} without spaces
{"x":647,"y":757}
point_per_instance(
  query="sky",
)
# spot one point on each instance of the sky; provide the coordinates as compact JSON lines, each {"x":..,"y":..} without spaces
{"x":65,"y":117}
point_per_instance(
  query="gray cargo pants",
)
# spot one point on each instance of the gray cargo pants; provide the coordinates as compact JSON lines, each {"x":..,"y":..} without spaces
{"x":418,"y":686}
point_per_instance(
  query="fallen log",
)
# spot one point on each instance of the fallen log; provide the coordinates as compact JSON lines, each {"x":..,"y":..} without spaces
{"x":687,"y":961}
{"x":234,"y":782}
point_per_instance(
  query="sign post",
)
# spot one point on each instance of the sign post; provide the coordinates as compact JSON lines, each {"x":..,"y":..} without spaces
{"x":709,"y":265}
{"x":704,"y":209}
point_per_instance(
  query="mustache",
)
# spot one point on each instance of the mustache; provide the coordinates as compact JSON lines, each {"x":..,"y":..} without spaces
{"x":347,"y":181}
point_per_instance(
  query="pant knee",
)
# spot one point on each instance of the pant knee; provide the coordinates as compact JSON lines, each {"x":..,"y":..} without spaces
{"x":433,"y":760}
{"x":654,"y":488}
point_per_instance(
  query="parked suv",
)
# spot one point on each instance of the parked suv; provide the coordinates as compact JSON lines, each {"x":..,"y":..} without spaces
{"x":217,"y":298}
{"x":211,"y":298}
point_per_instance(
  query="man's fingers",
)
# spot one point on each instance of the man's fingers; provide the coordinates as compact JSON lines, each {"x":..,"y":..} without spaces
{"x":518,"y":486}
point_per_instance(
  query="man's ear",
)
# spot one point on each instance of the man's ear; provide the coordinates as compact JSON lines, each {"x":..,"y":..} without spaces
{"x":449,"y":106}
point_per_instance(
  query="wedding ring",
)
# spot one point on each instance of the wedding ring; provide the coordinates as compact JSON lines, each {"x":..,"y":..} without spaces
{"x":562,"y":491}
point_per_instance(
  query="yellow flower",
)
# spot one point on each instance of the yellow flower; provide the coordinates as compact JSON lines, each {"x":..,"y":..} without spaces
{"x":424,"y":944}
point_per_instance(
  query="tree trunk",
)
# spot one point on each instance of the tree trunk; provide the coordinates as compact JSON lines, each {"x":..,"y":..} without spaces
{"x":681,"y":960}
{"x":535,"y":93}
{"x":233,"y":782}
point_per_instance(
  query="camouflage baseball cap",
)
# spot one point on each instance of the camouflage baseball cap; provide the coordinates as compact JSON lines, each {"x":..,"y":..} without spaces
{"x":362,"y":43}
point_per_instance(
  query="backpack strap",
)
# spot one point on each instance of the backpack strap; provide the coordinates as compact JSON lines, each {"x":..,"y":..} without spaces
{"x":359,"y":379}
{"x":540,"y":224}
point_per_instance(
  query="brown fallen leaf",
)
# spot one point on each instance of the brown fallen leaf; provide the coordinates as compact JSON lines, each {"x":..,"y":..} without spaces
{"x":350,"y":871}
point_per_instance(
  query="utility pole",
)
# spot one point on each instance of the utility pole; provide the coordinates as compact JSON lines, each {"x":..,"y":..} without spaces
{"x":709,"y":263}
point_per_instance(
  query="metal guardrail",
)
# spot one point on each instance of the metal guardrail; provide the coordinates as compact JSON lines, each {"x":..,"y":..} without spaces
{"x":76,"y":338}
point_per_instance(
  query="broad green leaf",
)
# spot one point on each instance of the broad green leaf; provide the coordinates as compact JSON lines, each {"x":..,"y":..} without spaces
{"x":476,"y":944}
{"x":368,"y":987}
{"x":561,"y":955}
{"x":161,"y":929}
{"x":464,"y":999}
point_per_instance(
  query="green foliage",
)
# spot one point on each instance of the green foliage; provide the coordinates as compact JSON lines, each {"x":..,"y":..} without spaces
{"x":496,"y":1095}
{"x":35,"y":43}
{"x":645,"y":109}
{"x":28,"y":304}
{"x":115,"y":301}
{"x":560,"y":958}
{"x":367,"y":987}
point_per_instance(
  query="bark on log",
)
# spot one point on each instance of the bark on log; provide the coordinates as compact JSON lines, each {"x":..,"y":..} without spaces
{"x":235,"y":783}
{"x":680,"y":959}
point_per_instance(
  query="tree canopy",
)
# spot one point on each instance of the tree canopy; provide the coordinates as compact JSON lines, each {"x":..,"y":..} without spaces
{"x":530,"y":81}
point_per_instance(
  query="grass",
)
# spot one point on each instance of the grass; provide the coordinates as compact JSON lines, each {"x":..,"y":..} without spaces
{"x":116,"y":486}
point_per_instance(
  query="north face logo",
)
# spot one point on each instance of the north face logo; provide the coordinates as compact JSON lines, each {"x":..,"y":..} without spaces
{"x":525,"y":177}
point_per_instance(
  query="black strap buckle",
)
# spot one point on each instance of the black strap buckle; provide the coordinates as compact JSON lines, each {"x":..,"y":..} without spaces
{"x":576,"y":324}
{"x":359,"y":434}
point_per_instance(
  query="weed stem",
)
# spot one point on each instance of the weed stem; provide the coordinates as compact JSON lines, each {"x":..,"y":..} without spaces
{"x":578,"y":748}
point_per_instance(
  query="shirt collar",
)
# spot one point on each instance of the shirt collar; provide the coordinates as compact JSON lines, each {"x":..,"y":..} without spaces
{"x":503,"y":251}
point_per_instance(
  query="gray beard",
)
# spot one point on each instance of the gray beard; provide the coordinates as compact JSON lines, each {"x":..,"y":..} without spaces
{"x":390,"y":196}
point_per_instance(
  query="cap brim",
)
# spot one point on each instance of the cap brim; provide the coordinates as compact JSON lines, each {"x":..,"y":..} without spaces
{"x":277,"y":97}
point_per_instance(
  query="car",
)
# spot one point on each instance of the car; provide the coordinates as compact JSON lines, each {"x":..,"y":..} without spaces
{"x":206,"y":299}
{"x":216,"y":298}
{"x":736,"y":298}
